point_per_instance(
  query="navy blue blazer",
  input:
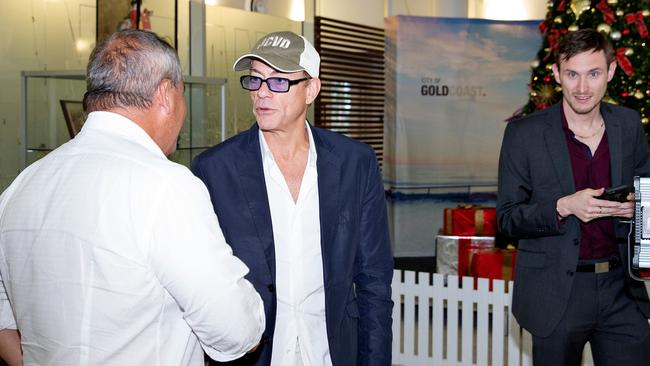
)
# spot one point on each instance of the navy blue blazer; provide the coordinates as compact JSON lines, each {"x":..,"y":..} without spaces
{"x":534,"y":172}
{"x":357,"y":258}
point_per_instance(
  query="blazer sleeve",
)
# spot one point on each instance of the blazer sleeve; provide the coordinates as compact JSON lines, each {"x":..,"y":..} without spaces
{"x":373,"y":277}
{"x":522,"y":212}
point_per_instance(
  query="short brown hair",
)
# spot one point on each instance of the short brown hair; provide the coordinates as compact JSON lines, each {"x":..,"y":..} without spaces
{"x":581,"y":41}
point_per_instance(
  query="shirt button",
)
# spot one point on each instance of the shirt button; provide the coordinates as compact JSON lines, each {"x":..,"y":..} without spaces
{"x":271,"y":287}
{"x":569,"y":273}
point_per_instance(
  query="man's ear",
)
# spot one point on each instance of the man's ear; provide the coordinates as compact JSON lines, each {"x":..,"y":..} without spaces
{"x":312,"y":90}
{"x":610,"y":70}
{"x":163,"y":95}
{"x":556,"y":73}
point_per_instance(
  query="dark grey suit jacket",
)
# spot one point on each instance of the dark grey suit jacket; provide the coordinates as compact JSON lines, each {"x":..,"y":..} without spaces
{"x":534,"y":172}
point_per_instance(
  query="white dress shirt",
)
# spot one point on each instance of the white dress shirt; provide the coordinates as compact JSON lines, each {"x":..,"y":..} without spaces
{"x":300,"y":335}
{"x":112,"y":255}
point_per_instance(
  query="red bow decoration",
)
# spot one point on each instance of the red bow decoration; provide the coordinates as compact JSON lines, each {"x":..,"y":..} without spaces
{"x":624,"y":62}
{"x":562,"y":6}
{"x":608,"y":14}
{"x":553,"y":40}
{"x":640,"y":24}
{"x":542,"y":27}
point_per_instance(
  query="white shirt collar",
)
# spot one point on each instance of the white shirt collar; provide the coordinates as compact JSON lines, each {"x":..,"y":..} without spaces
{"x":115,"y":123}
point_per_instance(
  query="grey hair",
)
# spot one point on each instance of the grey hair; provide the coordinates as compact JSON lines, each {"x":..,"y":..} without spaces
{"x":125,"y":70}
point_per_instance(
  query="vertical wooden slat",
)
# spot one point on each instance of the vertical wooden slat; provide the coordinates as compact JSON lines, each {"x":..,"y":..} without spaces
{"x":351,"y":100}
{"x":526,"y":349}
{"x":409,"y":317}
{"x":397,"y":290}
{"x":467,"y":333}
{"x":452,"y":320}
{"x":424,"y":293}
{"x":514,"y":333}
{"x":498,"y":322}
{"x":437,"y":321}
{"x":482,"y":322}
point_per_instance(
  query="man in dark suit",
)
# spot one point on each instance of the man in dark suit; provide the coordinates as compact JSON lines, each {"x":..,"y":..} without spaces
{"x":305,"y":209}
{"x":571,"y":285}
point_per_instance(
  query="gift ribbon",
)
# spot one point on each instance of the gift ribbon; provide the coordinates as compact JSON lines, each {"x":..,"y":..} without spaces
{"x":640,"y":24}
{"x":479,"y":221}
{"x":508,"y":267}
{"x":608,"y":14}
{"x":449,"y":229}
{"x":624,"y":62}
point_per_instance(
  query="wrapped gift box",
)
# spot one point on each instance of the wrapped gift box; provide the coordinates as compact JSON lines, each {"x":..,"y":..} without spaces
{"x":493,"y":264}
{"x":470,"y":220}
{"x":453,"y":252}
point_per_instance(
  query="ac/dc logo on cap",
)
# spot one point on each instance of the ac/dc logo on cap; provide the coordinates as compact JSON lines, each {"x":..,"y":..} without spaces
{"x":274,"y":41}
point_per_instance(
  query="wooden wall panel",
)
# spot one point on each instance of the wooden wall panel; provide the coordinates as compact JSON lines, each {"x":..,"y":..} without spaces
{"x":351,"y":100}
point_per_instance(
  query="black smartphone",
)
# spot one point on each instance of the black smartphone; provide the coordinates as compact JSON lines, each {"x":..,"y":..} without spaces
{"x":618,"y":194}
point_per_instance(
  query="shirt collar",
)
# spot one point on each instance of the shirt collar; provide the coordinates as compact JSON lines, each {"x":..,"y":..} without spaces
{"x":565,"y":122}
{"x":114,"y":123}
{"x":266,"y":152}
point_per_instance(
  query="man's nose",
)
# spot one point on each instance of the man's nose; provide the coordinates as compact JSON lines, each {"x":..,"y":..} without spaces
{"x":582,"y":84}
{"x":264,"y":90}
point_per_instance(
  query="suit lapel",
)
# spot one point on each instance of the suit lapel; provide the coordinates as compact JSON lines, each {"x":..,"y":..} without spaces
{"x":615,"y":141}
{"x":251,"y":173}
{"x":329,"y":170}
{"x":558,"y":151}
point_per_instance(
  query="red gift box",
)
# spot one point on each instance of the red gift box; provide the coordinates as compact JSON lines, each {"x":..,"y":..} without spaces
{"x":467,"y":247}
{"x":470,"y":220}
{"x":494,"y":264}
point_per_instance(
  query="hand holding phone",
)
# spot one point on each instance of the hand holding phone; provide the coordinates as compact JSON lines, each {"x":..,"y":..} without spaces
{"x":618,"y":194}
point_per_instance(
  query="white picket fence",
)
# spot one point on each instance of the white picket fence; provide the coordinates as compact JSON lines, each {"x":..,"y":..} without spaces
{"x":437,"y":322}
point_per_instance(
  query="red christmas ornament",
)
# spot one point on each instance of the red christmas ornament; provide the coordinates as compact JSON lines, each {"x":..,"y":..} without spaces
{"x":553,"y":41}
{"x":626,"y":32}
{"x":625,"y":94}
{"x":637,"y":18}
{"x":542,"y":27}
{"x":547,"y":79}
{"x":624,"y":62}
{"x":608,"y":14}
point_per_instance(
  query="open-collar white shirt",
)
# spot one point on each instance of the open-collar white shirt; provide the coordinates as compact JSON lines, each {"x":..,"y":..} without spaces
{"x":111,"y":254}
{"x":300,"y":335}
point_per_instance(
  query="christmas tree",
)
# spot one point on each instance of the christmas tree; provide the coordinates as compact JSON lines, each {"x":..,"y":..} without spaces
{"x":625,"y":23}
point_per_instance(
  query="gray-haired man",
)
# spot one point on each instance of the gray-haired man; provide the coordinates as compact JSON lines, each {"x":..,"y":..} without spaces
{"x":111,"y":254}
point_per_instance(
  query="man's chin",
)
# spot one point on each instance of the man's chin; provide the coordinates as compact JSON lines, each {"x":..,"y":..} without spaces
{"x":582,"y":109}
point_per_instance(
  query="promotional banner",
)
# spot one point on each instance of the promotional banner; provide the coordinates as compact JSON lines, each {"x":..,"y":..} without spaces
{"x":451,"y":84}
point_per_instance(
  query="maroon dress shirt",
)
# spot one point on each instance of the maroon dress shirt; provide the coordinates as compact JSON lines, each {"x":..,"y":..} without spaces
{"x":598,"y":239}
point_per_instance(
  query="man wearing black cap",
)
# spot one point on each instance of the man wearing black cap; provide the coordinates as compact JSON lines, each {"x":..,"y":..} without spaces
{"x":304,"y":208}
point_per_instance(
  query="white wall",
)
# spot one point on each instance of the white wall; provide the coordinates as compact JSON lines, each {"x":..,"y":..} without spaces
{"x":43,"y":35}
{"x":372,"y":12}
{"x":36,"y":35}
{"x":366,"y":12}
{"x":507,"y":9}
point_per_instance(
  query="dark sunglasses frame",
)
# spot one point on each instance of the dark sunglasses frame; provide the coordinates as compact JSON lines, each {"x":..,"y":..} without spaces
{"x":290,"y":82}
